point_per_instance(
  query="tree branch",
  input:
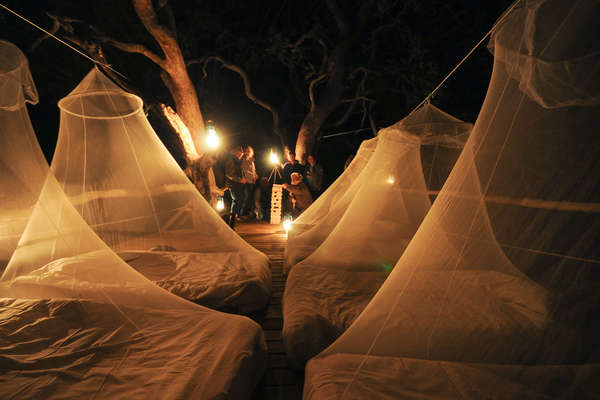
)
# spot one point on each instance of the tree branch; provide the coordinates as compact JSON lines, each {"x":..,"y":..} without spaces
{"x":311,"y":89}
{"x":163,"y":36}
{"x":340,"y":19}
{"x":247,"y":85}
{"x":53,"y":30}
{"x":134,"y":48}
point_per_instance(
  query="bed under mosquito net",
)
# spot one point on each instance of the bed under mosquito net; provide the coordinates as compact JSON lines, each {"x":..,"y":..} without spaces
{"x":18,"y":189}
{"x":78,"y":322}
{"x":130,"y":190}
{"x":389,"y":199}
{"x":497,"y":293}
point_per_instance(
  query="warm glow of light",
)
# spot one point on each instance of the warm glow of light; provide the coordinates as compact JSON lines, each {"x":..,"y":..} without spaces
{"x":390,"y":179}
{"x":273,"y":158}
{"x":287,"y":223}
{"x":182,"y":131}
{"x":220,"y":204}
{"x":212,"y":140}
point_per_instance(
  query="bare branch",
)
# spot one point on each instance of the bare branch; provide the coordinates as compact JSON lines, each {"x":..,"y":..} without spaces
{"x":53,"y":30}
{"x":311,"y":89}
{"x":247,"y":85}
{"x":340,"y":19}
{"x":134,"y":48}
{"x":357,"y":98}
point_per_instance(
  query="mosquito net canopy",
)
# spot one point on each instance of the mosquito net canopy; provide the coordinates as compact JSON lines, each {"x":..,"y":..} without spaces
{"x":75,"y":320}
{"x":327,"y":290}
{"x":130,"y":190}
{"x":384,"y":205}
{"x":21,"y":154}
{"x":499,"y":288}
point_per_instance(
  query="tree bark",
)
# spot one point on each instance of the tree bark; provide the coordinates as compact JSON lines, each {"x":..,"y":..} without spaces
{"x":175,"y":75}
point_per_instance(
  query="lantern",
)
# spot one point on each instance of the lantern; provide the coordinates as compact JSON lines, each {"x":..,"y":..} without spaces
{"x":212,"y":140}
{"x":220,"y":203}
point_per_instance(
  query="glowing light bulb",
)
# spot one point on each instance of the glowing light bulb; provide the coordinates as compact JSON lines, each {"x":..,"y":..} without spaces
{"x":220,"y":204}
{"x":287,"y":223}
{"x":390,"y":179}
{"x":273,"y":158}
{"x":212,"y":140}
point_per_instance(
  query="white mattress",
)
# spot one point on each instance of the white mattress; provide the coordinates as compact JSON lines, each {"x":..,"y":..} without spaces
{"x":70,"y":349}
{"x":508,"y":311}
{"x":319,"y":304}
{"x":337,"y":376}
{"x":236,"y":281}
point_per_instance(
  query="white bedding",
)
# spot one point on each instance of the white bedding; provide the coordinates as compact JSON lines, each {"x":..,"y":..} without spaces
{"x":73,"y":349}
{"x":238,"y":281}
{"x":319,"y":304}
{"x":329,"y":377}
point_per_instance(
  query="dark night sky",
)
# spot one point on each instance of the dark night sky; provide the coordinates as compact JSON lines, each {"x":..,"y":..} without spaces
{"x":445,"y":33}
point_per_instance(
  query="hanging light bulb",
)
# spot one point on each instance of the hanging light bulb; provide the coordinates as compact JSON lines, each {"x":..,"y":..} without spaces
{"x":390,"y":179}
{"x":212,"y":139}
{"x":220,"y":204}
{"x":287,"y":223}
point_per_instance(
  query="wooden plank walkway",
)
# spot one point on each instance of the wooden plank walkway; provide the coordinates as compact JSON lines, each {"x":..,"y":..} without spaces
{"x":279,"y":382}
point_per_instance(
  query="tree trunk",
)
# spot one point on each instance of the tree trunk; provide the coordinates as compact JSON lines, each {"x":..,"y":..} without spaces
{"x":175,"y":75}
{"x":336,"y":75}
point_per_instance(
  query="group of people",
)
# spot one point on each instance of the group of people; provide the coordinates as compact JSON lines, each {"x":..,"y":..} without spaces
{"x":250,"y":194}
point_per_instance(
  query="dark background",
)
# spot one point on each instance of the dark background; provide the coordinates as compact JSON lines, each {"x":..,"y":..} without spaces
{"x":409,"y":47}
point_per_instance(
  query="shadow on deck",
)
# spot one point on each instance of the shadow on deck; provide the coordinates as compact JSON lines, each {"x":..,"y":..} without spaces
{"x":280,"y":382}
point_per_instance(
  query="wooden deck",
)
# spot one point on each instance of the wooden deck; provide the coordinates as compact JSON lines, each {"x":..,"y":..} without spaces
{"x":279,"y":382}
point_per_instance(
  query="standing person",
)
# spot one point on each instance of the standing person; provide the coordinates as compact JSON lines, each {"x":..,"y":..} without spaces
{"x":235,"y":182}
{"x":291,"y":166}
{"x":300,"y":197}
{"x":314,"y":176}
{"x":250,"y":176}
{"x":262,"y":198}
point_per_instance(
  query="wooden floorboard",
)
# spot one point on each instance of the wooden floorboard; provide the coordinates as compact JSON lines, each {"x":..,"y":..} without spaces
{"x":280,"y":382}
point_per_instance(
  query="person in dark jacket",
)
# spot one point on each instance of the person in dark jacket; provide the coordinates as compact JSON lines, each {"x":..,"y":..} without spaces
{"x":291,"y":166}
{"x":235,"y":182}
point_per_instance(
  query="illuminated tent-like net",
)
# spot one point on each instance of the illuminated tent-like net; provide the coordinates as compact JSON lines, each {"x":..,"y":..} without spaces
{"x":129,"y":189}
{"x":436,"y":134}
{"x":497,"y":294}
{"x":19,"y":189}
{"x":77,"y":322}
{"x":329,"y":288}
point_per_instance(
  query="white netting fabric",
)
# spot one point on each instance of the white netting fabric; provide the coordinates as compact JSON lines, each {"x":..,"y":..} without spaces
{"x":130,"y":190}
{"x":77,"y":322}
{"x":501,"y":281}
{"x":329,"y":200}
{"x":16,"y":83}
{"x":20,"y":184}
{"x":387,"y":201}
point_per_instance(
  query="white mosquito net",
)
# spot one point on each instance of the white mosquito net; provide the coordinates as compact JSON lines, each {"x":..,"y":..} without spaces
{"x":77,"y":322}
{"x":497,"y":294}
{"x":384,"y":205}
{"x":21,"y":153}
{"x":327,"y":290}
{"x":130,"y":190}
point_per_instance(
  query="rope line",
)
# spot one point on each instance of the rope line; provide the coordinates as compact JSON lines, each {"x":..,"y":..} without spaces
{"x":60,"y":40}
{"x":428,"y":97}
